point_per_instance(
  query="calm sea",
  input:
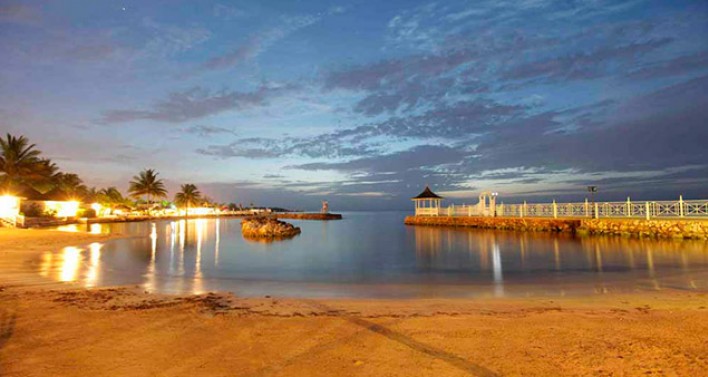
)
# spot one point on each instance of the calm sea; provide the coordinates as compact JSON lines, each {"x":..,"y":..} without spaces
{"x":373,"y":255}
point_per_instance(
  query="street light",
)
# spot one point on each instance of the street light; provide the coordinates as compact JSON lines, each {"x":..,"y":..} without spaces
{"x":494,"y":204}
{"x":592,"y":190}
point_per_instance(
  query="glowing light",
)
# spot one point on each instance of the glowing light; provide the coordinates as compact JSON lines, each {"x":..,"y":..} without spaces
{"x":150,"y":282}
{"x":46,"y":265}
{"x":92,"y":274}
{"x":95,"y":229}
{"x":9,"y":206}
{"x":73,"y":228}
{"x":62,"y":209}
{"x":199,"y":211}
{"x":100,"y":210}
{"x":497,"y":271}
{"x":70,"y":263}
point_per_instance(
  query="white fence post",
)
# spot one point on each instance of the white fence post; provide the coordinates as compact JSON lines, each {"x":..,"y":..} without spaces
{"x":587,"y":208}
{"x":523,"y":209}
{"x":646,"y":210}
{"x":597,"y":211}
{"x":680,"y":205}
{"x":629,"y":208}
{"x":555,"y":209}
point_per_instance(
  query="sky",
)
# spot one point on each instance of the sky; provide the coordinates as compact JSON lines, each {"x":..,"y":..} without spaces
{"x":363,"y":103}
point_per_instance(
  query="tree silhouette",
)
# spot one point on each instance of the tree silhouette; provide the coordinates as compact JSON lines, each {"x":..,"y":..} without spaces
{"x":146,"y":183}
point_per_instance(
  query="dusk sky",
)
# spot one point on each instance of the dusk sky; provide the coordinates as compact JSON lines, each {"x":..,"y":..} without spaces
{"x":363,"y":103}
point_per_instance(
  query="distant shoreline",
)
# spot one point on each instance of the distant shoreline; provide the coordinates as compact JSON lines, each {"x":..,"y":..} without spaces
{"x":46,"y":223}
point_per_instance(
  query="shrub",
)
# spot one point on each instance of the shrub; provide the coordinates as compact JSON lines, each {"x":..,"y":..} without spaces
{"x":32,"y":210}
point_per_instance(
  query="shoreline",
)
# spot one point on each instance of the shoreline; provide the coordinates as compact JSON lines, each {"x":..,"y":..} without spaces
{"x":63,"y":330}
{"x":40,"y":223}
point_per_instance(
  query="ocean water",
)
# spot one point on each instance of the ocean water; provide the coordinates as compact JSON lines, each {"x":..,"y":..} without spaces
{"x":372,"y":255}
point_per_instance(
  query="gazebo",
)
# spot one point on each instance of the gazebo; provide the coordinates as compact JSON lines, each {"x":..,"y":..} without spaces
{"x":427,"y":203}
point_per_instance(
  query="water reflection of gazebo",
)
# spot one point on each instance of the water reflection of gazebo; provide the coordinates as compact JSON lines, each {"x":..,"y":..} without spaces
{"x":427,"y":203}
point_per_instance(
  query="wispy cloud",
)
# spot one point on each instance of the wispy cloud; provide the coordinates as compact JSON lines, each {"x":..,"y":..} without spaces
{"x":228,"y":12}
{"x":19,"y":13}
{"x":194,"y":103}
{"x":263,"y":40}
{"x":206,"y":131}
{"x":169,"y":40}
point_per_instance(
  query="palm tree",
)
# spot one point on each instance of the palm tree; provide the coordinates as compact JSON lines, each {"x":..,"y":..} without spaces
{"x":112,"y":197}
{"x":188,"y":196}
{"x":18,"y":161}
{"x":71,"y":185}
{"x":92,"y":195}
{"x":146,"y":183}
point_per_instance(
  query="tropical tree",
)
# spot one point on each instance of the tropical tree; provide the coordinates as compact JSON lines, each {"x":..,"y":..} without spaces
{"x":146,"y":183}
{"x":19,"y":161}
{"x":71,"y":185}
{"x":188,"y":196}
{"x":92,"y":195}
{"x":112,"y":197}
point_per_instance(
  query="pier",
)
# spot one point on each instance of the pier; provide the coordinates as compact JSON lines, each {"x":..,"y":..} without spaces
{"x":660,"y":219}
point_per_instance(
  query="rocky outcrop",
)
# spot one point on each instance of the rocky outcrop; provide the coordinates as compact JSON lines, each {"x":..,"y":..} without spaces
{"x":267,"y":228}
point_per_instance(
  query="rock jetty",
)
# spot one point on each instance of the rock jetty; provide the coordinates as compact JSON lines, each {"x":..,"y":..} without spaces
{"x":267,"y":228}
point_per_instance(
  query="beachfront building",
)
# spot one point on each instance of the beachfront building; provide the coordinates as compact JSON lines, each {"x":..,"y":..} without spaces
{"x":53,"y":208}
{"x":427,"y":203}
{"x":9,"y":210}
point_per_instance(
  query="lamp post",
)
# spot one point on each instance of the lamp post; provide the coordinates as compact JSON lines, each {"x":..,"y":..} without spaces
{"x":494,"y":204}
{"x":592,"y":190}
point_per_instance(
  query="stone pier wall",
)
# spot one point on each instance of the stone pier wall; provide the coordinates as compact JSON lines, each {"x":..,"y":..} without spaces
{"x":508,"y":223}
{"x":693,"y":229}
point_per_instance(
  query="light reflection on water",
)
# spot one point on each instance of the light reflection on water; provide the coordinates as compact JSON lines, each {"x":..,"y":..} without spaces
{"x":375,"y":255}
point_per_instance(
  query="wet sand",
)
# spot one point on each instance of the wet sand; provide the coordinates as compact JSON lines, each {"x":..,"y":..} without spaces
{"x":60,"y":330}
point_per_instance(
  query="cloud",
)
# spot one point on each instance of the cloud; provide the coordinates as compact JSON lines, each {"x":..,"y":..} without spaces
{"x":92,"y":51}
{"x":660,"y":130}
{"x":264,"y":40}
{"x":195,"y":103}
{"x":417,"y":157}
{"x":583,"y":65}
{"x":19,"y":13}
{"x":228,"y":12}
{"x":326,"y":145}
{"x":169,"y":40}
{"x":697,"y":62}
{"x":206,"y":131}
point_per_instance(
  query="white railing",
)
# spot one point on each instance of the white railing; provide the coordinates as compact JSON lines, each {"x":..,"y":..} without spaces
{"x":627,"y":209}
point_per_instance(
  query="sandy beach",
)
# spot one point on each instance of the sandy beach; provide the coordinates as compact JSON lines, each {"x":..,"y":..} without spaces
{"x":59,"y":329}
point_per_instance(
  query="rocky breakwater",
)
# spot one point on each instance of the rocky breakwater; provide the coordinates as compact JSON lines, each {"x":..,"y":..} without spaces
{"x":265,"y":228}
{"x":691,"y":229}
{"x":508,"y":223}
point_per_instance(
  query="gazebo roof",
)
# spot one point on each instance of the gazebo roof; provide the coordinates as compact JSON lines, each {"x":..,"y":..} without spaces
{"x":427,"y":194}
